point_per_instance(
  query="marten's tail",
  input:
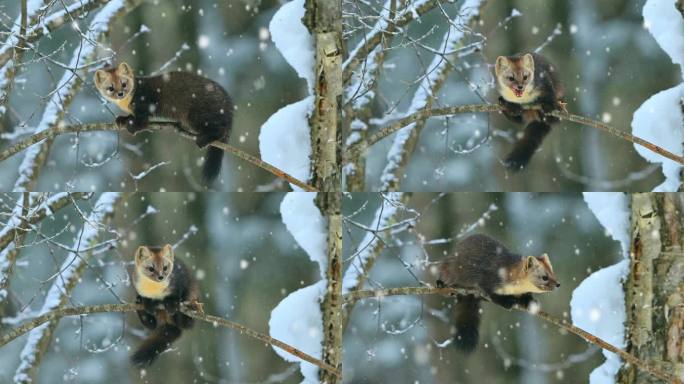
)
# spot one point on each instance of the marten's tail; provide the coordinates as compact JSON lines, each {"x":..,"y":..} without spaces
{"x":524,"y":149}
{"x":467,"y":322}
{"x":160,"y":339}
{"x":212,"y":164}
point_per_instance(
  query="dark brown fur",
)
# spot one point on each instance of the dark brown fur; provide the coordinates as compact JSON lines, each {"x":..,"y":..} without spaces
{"x":545,"y":81}
{"x":200,"y":105}
{"x":482,"y":262}
{"x":163,"y":316}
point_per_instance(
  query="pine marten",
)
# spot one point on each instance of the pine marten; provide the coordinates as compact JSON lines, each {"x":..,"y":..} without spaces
{"x":509,"y":279}
{"x":162,"y":283}
{"x":524,"y":82}
{"x":201,"y":106}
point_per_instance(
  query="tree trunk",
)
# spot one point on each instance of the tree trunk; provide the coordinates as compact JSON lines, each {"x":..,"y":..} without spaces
{"x":654,"y":288}
{"x":323,"y":18}
{"x":331,"y":308}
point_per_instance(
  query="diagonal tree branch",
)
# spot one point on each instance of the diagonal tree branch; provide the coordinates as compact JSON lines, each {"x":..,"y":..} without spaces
{"x":55,"y":131}
{"x":563,"y":324}
{"x":426,"y":113}
{"x":57,"y":314}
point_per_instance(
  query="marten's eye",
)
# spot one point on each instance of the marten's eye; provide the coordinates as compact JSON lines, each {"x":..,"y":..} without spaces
{"x":151,"y":269}
{"x":545,"y":278}
{"x":110,"y":89}
{"x":123,"y":85}
{"x":511,"y":78}
{"x":166,"y":267}
{"x":525,"y":78}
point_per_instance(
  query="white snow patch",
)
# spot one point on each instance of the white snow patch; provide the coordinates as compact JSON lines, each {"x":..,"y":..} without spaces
{"x":602,"y":315}
{"x":659,"y":120}
{"x":306,"y":224}
{"x":293,"y":40}
{"x":612,"y":211}
{"x":285,"y":142}
{"x":297,"y":321}
{"x":667,"y":27}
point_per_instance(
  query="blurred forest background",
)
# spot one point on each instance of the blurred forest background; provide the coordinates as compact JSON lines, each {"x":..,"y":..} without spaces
{"x":246,"y":261}
{"x":608,"y":61}
{"x":397,"y":339}
{"x":227,"y":41}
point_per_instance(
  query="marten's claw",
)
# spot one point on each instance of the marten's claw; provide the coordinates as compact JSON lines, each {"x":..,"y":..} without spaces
{"x":562,"y":106}
{"x":194,"y":306}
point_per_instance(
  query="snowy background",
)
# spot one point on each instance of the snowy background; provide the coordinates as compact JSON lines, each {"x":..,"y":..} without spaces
{"x":611,"y":58}
{"x":228,"y":41}
{"x":405,"y":337}
{"x":243,"y":254}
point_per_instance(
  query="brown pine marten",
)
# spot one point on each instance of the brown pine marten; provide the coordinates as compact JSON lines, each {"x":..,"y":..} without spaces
{"x":526,"y":82}
{"x":201,"y":106}
{"x":482,"y":262}
{"x":162,"y":284}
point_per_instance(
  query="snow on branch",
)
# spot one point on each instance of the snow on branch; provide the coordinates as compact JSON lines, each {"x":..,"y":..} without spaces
{"x":67,"y":277}
{"x":435,"y":75}
{"x":19,"y":223}
{"x":372,"y":243}
{"x":67,"y":87}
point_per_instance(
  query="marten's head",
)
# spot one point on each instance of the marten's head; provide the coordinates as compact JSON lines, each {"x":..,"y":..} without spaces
{"x":539,"y":272}
{"x":515,"y":72}
{"x":115,"y":84}
{"x":155,"y":263}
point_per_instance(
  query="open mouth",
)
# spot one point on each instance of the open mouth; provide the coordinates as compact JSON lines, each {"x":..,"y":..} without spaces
{"x":517,"y":92}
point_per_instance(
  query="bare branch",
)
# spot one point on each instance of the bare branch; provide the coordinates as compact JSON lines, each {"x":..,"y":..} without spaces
{"x":55,"y":131}
{"x":57,"y":314}
{"x":563,"y":324}
{"x":474,"y":108}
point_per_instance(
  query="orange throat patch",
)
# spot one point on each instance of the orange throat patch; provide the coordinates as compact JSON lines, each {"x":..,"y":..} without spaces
{"x":149,"y":288}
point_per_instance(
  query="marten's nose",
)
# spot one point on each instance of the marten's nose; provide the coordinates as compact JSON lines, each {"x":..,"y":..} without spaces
{"x":520,"y":87}
{"x":557,"y":285}
{"x":160,"y":277}
{"x":121,"y":94}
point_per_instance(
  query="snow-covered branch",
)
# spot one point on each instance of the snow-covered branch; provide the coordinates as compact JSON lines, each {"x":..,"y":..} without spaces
{"x":67,"y":277}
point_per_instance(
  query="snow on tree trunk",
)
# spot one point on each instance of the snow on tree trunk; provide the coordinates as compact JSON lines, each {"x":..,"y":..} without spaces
{"x":660,"y":119}
{"x":654,"y":289}
{"x":69,"y":275}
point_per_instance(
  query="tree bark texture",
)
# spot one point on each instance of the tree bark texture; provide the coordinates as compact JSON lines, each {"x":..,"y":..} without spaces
{"x":654,"y":288}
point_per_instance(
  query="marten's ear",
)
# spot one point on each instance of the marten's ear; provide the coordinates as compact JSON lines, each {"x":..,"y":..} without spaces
{"x":100,"y":77}
{"x":529,"y":263}
{"x":167,"y":252}
{"x":140,"y":254}
{"x":528,"y":61}
{"x":124,"y":69}
{"x":545,"y":260}
{"x":501,"y":64}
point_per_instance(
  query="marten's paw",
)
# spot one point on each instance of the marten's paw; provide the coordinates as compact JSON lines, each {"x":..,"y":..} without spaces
{"x":194,"y":306}
{"x":127,"y":122}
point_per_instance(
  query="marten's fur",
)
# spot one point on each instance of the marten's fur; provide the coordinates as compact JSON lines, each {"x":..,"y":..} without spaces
{"x":200,"y":105}
{"x":526,"y":82}
{"x":482,"y":262}
{"x":162,"y":284}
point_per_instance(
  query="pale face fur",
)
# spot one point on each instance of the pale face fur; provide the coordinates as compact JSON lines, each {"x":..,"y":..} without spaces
{"x":535,"y":275}
{"x":116,"y":85}
{"x":515,"y":78}
{"x":157,"y":265}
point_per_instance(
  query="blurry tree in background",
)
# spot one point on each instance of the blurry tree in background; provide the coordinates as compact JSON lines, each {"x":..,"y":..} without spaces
{"x":51,"y":84}
{"x":394,"y":240}
{"x":406,"y":56}
{"x":235,"y":243}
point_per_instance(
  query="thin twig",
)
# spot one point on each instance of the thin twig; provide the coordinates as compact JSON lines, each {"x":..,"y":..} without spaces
{"x":474,"y":108}
{"x":52,"y":133}
{"x":667,"y":377}
{"x":119,"y":308}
